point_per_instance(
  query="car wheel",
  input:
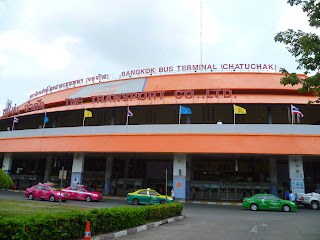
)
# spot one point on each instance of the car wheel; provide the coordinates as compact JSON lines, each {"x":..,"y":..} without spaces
{"x":286,"y":208}
{"x":30,"y":196}
{"x":314,"y":205}
{"x":163,"y":202}
{"x":52,"y":198}
{"x":88,"y":199}
{"x":254,"y":207}
{"x":135,"y":201}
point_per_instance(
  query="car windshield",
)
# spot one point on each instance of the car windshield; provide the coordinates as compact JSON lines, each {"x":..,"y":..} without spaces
{"x":88,"y":189}
{"x":54,"y":187}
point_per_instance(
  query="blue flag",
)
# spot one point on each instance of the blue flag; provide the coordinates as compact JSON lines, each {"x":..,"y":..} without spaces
{"x":185,"y":110}
{"x":46,"y":119}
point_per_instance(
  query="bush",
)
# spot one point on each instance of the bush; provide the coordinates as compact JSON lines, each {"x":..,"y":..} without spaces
{"x":5,"y":180}
{"x":72,"y":225}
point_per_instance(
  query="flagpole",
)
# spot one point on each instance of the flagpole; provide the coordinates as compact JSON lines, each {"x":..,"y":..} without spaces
{"x":127,"y":116}
{"x":179,"y":114}
{"x":44,"y":121}
{"x":234,"y":116}
{"x":291,"y":115}
{"x":12,"y":124}
{"x":83,"y":118}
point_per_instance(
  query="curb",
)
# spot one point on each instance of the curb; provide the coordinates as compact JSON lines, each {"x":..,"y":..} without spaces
{"x":135,"y":229}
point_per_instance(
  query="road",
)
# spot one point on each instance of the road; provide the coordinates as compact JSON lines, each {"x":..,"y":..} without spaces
{"x":220,"y":222}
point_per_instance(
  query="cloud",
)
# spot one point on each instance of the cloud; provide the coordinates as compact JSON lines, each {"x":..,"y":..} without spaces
{"x":294,"y":18}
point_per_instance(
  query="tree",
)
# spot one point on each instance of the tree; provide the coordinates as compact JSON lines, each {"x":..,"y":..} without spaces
{"x":5,"y":180}
{"x":305,"y":47}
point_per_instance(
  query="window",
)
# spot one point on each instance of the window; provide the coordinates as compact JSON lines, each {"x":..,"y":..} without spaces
{"x":272,"y":198}
{"x":37,"y":187}
{"x":152,"y":193}
{"x":260,"y":197}
{"x":80,"y":189}
{"x":73,"y":188}
{"x":44,"y":188}
{"x":143,"y":192}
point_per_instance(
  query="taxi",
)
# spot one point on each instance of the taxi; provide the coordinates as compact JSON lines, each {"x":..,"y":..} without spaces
{"x":81,"y":192}
{"x":46,"y":191}
{"x":268,"y":202}
{"x":147,"y":196}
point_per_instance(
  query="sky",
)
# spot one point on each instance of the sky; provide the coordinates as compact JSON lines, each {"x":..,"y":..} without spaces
{"x":46,"y":43}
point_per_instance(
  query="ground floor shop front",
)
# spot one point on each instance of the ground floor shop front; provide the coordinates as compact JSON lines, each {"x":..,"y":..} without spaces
{"x":210,"y":176}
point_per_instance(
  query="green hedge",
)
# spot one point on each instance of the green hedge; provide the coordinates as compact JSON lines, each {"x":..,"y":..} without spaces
{"x":72,"y":225}
{"x":5,"y":180}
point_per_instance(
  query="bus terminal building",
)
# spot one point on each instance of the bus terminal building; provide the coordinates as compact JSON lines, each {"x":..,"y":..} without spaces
{"x":121,"y":135}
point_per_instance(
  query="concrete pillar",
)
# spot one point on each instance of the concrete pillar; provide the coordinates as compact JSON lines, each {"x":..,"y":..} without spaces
{"x":47,"y":173}
{"x":77,"y":168}
{"x":296,"y":174}
{"x":188,"y":176}
{"x":109,"y":166}
{"x":7,"y":163}
{"x":273,"y":176}
{"x":179,"y":175}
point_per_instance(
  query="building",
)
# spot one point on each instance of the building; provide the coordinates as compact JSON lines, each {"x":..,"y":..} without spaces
{"x":268,"y":149}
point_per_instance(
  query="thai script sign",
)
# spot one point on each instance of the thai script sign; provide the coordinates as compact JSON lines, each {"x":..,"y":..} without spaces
{"x":69,"y":84}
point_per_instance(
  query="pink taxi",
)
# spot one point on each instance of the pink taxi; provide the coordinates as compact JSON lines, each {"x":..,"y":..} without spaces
{"x":81,"y":192}
{"x":47,"y":191}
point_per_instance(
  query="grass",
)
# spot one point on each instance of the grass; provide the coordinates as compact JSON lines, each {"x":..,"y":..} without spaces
{"x":16,"y":208}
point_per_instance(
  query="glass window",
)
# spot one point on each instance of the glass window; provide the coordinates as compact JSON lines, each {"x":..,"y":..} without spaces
{"x":73,"y":188}
{"x":88,"y":189}
{"x":260,"y":197}
{"x":143,"y":192}
{"x":37,"y":187}
{"x":80,"y":189}
{"x":44,"y":188}
{"x":152,"y":193}
{"x":272,"y":198}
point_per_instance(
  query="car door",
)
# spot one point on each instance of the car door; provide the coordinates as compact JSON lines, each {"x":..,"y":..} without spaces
{"x":81,"y":194}
{"x":144,"y":197}
{"x":73,"y":192}
{"x":36,"y":191}
{"x":273,"y":202}
{"x":260,"y":201}
{"x":45,"y":192}
{"x":154,"y":199}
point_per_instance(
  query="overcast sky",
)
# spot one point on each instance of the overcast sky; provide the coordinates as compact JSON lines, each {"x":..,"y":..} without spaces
{"x":50,"y":42}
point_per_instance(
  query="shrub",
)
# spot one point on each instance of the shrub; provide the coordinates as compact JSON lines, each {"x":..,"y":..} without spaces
{"x":71,"y":225}
{"x":5,"y":180}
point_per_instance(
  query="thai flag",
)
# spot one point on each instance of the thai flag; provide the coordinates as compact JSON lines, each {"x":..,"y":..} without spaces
{"x":129,"y":113}
{"x":15,"y":120}
{"x":295,"y":110}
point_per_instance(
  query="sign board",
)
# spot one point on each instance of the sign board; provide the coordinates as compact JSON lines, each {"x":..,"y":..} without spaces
{"x":63,"y":175}
{"x":296,"y":174}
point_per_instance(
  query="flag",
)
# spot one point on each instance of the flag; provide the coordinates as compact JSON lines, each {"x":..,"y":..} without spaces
{"x":15,"y":120}
{"x":87,"y":114}
{"x":46,"y":119}
{"x":295,"y":110}
{"x":239,"y":110}
{"x":185,"y":110}
{"x":129,"y":113}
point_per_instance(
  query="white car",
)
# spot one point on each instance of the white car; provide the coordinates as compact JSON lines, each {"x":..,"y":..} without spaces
{"x":311,"y":199}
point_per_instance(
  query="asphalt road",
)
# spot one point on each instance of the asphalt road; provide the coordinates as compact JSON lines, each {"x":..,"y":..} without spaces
{"x":220,"y":222}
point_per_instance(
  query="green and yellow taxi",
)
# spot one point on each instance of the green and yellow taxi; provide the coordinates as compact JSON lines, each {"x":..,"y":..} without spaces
{"x":147,"y":196}
{"x":268,"y":202}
